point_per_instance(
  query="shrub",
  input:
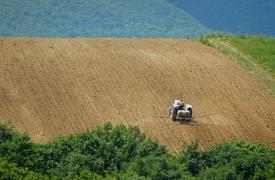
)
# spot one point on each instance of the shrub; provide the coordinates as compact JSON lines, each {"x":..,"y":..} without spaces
{"x":10,"y":171}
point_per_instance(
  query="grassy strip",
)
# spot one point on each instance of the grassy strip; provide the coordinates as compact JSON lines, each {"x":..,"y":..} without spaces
{"x":260,"y":48}
{"x":255,"y":53}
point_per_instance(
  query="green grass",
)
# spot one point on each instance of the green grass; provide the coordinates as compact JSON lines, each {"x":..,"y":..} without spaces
{"x":261,"y":49}
{"x":255,"y":53}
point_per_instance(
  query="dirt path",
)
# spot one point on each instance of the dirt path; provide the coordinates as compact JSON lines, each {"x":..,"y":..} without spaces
{"x":50,"y":87}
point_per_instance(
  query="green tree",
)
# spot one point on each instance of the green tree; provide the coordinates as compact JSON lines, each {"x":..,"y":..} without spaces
{"x":10,"y":171}
{"x":227,"y":172}
{"x":193,"y":158}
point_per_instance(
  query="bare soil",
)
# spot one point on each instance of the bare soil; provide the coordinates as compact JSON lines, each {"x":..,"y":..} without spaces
{"x":51,"y":87}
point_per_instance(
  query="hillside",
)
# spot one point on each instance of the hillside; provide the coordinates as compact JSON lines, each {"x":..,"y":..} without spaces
{"x":232,"y":16}
{"x":51,"y":87}
{"x":255,"y":53}
{"x":93,"y":18}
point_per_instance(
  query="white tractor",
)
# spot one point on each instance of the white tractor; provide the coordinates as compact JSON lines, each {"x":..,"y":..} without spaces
{"x":180,"y":112}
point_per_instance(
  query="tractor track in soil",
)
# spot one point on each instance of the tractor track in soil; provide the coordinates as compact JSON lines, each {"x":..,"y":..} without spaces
{"x":51,"y":87}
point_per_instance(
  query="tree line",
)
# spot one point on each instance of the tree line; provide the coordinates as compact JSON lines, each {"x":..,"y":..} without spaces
{"x":124,"y":152}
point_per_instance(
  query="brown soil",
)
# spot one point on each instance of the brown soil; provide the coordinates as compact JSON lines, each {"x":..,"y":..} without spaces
{"x":51,"y":87}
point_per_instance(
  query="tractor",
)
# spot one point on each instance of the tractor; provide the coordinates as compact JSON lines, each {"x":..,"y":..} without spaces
{"x":180,"y":112}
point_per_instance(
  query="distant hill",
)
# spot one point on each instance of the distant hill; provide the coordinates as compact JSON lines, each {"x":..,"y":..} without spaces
{"x":232,"y":16}
{"x":136,"y":18}
{"x":94,"y":18}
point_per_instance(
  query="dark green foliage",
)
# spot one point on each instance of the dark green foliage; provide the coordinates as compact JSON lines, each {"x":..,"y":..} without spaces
{"x":163,"y":167}
{"x":224,"y":172}
{"x":246,"y":158}
{"x":205,"y":38}
{"x":125,"y":153}
{"x":103,"y":151}
{"x":193,"y":158}
{"x":10,"y":171}
{"x":234,"y":160}
{"x":15,"y":147}
{"x":100,"y":152}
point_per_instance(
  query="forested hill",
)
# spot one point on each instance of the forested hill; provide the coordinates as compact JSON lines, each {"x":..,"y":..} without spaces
{"x":232,"y":16}
{"x":93,"y":18}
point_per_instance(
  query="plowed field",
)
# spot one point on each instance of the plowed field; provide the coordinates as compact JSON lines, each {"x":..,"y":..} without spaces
{"x":51,"y":87}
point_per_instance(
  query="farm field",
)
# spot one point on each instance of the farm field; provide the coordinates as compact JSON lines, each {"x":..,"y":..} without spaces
{"x":52,"y":87}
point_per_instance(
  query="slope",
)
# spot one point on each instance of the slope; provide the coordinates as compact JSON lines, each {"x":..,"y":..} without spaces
{"x":50,"y":87}
{"x":93,"y":18}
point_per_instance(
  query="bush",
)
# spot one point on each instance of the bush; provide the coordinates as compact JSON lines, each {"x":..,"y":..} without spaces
{"x":10,"y":171}
{"x":15,"y":147}
{"x":224,"y":172}
{"x":248,"y":159}
{"x":163,"y":167}
{"x":193,"y":158}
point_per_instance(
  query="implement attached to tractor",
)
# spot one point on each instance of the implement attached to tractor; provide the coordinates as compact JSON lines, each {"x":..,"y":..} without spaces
{"x":180,"y":112}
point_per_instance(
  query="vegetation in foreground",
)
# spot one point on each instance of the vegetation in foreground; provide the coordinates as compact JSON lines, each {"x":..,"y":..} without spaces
{"x":255,"y":53}
{"x":122,"y":152}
